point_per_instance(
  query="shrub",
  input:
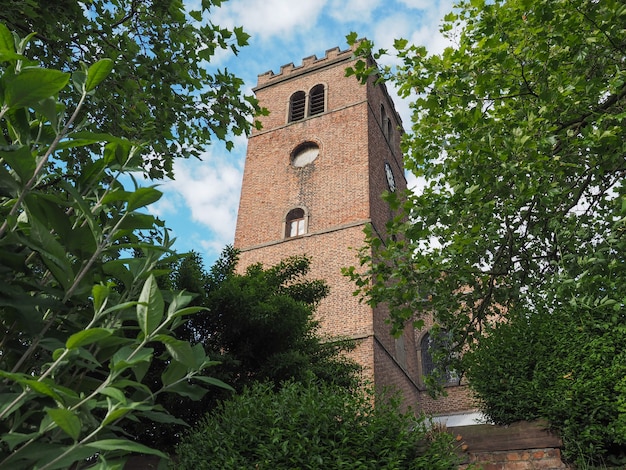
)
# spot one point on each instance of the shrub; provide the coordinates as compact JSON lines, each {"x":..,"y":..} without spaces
{"x":313,"y":426}
{"x":562,"y":358}
{"x":566,"y":366}
{"x":80,"y":308}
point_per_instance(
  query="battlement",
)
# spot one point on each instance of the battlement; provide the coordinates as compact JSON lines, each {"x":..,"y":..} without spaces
{"x":309,"y":63}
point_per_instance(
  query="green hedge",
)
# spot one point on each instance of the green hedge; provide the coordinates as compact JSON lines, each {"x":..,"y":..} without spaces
{"x":567,"y":366}
{"x":309,"y":426}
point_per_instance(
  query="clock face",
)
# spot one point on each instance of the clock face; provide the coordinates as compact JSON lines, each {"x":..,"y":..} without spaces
{"x":390,"y":179}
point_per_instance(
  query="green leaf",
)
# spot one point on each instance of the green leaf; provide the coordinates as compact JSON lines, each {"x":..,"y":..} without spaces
{"x":22,"y":161}
{"x":142,"y":197}
{"x":400,"y":44}
{"x":32,"y":85}
{"x":150,"y":306}
{"x":187,"y":390}
{"x":66,"y":420}
{"x":99,"y":293}
{"x":161,"y":417}
{"x":122,"y":444}
{"x":15,"y":438}
{"x":116,"y":195}
{"x":213,"y":381}
{"x":117,"y":152}
{"x":85,"y":337}
{"x":174,"y":372}
{"x":6,"y":39}
{"x":180,"y":300}
{"x":51,"y":251}
{"x":49,"y":109}
{"x":43,"y":388}
{"x":115,"y":414}
{"x":78,"y":79}
{"x":10,"y":56}
{"x":23,"y":43}
{"x":179,"y":350}
{"x":114,"y":393}
{"x":186,"y":311}
{"x":128,"y":357}
{"x":43,"y":454}
{"x":98,"y":72}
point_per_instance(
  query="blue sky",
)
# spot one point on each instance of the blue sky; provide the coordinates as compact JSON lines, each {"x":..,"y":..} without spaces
{"x":200,"y":204}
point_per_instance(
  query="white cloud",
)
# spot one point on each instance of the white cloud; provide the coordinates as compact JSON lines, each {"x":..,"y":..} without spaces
{"x":268,"y":18}
{"x":418,"y":4}
{"x":209,"y":190}
{"x":345,"y":11}
{"x":428,"y":33}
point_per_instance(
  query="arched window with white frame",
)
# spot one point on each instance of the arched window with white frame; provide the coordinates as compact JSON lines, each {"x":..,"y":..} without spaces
{"x":295,"y":223}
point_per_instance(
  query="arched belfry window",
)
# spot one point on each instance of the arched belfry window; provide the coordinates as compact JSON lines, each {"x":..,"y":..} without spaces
{"x":432,"y":346}
{"x":297,"y":104}
{"x":295,"y":223}
{"x":317,"y":100}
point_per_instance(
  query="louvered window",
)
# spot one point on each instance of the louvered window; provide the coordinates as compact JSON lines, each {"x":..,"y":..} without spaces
{"x":296,"y":106}
{"x":317,"y":101}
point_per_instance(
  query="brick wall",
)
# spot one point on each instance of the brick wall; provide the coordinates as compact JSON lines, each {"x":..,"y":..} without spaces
{"x":340,"y":192}
{"x":529,"y":459}
{"x":519,"y":446}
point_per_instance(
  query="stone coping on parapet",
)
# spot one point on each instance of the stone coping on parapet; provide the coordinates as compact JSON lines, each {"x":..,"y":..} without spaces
{"x":309,"y":64}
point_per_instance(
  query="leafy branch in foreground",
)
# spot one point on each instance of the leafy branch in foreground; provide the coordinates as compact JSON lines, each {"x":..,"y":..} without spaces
{"x":519,"y":143}
{"x":79,"y":314}
{"x":163,"y":91}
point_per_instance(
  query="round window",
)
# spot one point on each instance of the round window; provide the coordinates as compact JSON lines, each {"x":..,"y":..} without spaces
{"x":304,"y":154}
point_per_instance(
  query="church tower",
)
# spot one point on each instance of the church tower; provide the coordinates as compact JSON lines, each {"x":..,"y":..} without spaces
{"x":313,"y":178}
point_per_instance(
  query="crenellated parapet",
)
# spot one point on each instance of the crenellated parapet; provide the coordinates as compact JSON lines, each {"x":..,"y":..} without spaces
{"x":309,"y":64}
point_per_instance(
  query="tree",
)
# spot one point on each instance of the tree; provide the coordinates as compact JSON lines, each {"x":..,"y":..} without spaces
{"x":259,"y":326}
{"x":315,"y":426}
{"x":80,"y":308}
{"x":161,"y":92}
{"x":518,"y":137}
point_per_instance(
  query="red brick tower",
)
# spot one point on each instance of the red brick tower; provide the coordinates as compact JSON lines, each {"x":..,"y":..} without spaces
{"x":313,"y":179}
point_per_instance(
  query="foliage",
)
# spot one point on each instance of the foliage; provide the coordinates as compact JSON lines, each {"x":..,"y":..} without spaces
{"x":161,"y":92}
{"x":79,"y":314}
{"x":565,"y":365}
{"x":313,"y":426}
{"x":263,"y":321}
{"x":518,"y":139}
{"x":260,"y":327}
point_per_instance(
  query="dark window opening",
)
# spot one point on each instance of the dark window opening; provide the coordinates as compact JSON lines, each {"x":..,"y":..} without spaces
{"x":316,"y":105}
{"x":383,"y":119}
{"x":295,"y":223}
{"x":296,"y":106}
{"x":431,"y":350}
